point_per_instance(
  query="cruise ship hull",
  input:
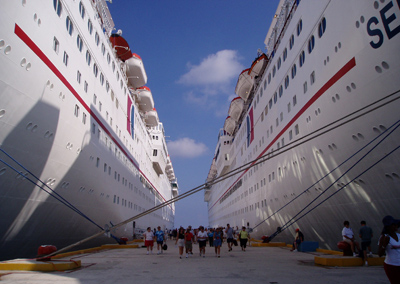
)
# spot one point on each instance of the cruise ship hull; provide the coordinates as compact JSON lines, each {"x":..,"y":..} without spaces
{"x":74,"y":152}
{"x":321,"y":145}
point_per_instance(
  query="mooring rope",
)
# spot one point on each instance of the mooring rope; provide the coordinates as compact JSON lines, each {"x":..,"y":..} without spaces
{"x":329,"y":173}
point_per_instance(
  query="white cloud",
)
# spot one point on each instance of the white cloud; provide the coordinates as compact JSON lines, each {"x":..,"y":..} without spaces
{"x":208,"y":84}
{"x":186,"y":148}
{"x":216,"y":69}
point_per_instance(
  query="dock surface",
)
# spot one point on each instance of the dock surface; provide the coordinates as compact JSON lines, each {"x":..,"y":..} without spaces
{"x":257,"y":265}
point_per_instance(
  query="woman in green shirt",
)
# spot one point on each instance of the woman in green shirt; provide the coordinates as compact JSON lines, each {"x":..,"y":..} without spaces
{"x":243,"y":237}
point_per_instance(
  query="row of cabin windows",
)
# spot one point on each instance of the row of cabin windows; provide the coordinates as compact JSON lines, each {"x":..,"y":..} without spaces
{"x":302,"y":58}
{"x":70,"y":29}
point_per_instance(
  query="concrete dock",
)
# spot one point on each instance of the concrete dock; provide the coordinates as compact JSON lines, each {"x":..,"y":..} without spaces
{"x":256,"y":265}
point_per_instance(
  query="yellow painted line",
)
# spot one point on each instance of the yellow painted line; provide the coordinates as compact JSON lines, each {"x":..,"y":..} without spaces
{"x":136,"y":241}
{"x":33,"y":265}
{"x":330,"y":251}
{"x":116,"y":246}
{"x":346,"y":261}
{"x":268,"y":244}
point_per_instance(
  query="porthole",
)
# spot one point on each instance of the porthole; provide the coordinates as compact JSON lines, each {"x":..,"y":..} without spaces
{"x":294,"y":71}
{"x":284,"y":54}
{"x":69,"y":25}
{"x":291,"y":42}
{"x":90,"y":26}
{"x":7,"y":50}
{"x":79,"y":43}
{"x":81,"y":10}
{"x":57,"y":6}
{"x":302,"y":58}
{"x":322,"y":27}
{"x":311,"y":44}
{"x":299,"y":27}
{"x":286,"y":82}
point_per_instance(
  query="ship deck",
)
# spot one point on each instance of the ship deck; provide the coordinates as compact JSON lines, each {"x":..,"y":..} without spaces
{"x":258,"y":265}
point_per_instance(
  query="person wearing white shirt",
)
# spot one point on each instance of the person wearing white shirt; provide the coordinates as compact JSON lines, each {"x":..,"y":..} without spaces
{"x":348,"y":237}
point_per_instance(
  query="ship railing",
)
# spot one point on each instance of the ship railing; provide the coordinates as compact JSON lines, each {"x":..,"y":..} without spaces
{"x":104,"y":18}
{"x":281,"y":26}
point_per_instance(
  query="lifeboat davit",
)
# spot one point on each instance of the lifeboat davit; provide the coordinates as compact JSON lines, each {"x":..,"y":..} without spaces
{"x":151,"y":118}
{"x":229,"y":125}
{"x":236,"y":108}
{"x":259,"y":64}
{"x":244,"y":84}
{"x":121,"y":47}
{"x":135,"y":71}
{"x":146,"y":102}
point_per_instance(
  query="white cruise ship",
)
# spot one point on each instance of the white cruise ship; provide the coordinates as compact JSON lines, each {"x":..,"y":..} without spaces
{"x":312,"y":138}
{"x":81,"y":144}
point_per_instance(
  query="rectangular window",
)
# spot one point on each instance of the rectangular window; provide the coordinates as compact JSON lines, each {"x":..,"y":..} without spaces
{"x":296,"y":129}
{"x":290,"y":135}
{"x":78,"y":77}
{"x":84,"y":118}
{"x":65,"y":58}
{"x":154,"y":153}
{"x":76,"y":110}
{"x":56,"y":45}
{"x":305,"y":87}
{"x":94,"y":99}
{"x":277,"y":122}
{"x":281,"y":116}
{"x":312,"y":78}
{"x":288,"y":107}
{"x":86,"y":86}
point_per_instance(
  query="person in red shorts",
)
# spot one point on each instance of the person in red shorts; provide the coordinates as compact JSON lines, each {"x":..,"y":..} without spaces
{"x":149,"y":240}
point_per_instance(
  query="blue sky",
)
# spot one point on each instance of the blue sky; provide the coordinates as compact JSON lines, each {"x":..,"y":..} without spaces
{"x":193,"y":52}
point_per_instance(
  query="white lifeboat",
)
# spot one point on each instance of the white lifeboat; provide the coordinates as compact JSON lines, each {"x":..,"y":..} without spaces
{"x":229,"y":125}
{"x":236,"y":108}
{"x":135,"y":71}
{"x":146,"y":102}
{"x":244,"y":84}
{"x":258,"y":65}
{"x":168,"y":165}
{"x":151,"y":118}
{"x":213,"y":171}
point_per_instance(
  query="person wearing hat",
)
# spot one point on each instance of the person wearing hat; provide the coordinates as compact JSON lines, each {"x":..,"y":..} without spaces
{"x":298,"y":240}
{"x":389,"y":243}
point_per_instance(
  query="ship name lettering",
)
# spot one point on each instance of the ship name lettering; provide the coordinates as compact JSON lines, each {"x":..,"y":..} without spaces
{"x":387,"y":17}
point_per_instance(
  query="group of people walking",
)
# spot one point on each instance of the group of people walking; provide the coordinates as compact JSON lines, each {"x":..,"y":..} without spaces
{"x":184,"y":239}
